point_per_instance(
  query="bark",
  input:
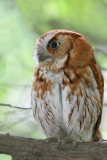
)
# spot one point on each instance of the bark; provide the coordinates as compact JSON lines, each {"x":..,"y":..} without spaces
{"x":21,"y":148}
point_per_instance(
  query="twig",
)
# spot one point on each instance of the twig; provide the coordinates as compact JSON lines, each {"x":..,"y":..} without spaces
{"x":15,"y":85}
{"x":17,"y":107}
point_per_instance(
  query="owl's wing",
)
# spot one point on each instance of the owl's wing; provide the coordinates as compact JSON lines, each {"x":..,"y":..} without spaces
{"x":99,"y":79}
{"x":82,"y":97}
{"x":100,"y":83}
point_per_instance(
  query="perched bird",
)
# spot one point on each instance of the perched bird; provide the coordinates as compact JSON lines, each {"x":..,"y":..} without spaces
{"x":67,"y":88}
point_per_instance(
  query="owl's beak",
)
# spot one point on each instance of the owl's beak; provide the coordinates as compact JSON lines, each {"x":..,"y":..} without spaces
{"x":42,"y":56}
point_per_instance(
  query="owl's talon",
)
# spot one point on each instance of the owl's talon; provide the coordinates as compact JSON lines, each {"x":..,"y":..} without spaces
{"x":99,"y":141}
{"x":68,"y":140}
{"x":102,"y":142}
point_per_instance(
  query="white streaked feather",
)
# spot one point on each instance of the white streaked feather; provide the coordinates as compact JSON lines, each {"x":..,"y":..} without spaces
{"x":62,"y":107}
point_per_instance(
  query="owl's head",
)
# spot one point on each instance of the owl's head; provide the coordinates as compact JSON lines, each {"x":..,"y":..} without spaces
{"x":70,"y":47}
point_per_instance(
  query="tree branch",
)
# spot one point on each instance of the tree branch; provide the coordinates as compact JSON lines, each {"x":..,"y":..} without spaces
{"x":17,"y":107}
{"x":21,"y":148}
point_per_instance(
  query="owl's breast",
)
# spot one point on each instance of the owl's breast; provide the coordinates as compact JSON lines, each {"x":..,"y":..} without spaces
{"x":46,"y":102}
{"x":68,"y":101}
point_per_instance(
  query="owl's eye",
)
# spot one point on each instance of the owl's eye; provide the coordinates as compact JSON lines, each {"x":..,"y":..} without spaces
{"x":54,"y":45}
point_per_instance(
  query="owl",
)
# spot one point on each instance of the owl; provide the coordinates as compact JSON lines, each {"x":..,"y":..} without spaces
{"x":67,"y":87}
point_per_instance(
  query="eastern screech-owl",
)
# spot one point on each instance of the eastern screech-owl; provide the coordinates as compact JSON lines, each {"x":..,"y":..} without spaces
{"x":67,"y":89}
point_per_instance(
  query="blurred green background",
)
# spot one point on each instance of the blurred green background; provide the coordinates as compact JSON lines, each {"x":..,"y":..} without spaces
{"x":21,"y":23}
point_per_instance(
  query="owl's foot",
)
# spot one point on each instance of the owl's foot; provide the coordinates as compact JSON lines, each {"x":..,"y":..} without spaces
{"x":68,"y":140}
{"x":51,"y":139}
{"x":102,"y":141}
{"x":61,"y":140}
